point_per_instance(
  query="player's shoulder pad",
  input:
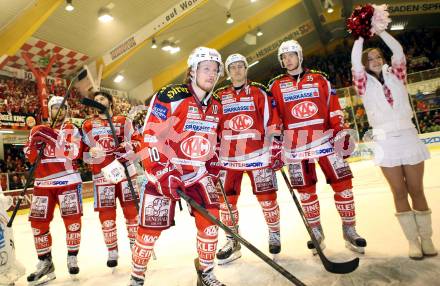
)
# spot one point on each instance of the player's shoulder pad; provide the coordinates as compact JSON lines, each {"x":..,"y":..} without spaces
{"x":216,"y":93}
{"x":86,"y":122}
{"x":312,"y":71}
{"x":276,"y":78}
{"x":259,"y":85}
{"x":173,"y":92}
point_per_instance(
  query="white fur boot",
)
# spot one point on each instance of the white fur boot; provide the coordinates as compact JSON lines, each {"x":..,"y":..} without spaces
{"x":424,"y":224}
{"x":408,"y":224}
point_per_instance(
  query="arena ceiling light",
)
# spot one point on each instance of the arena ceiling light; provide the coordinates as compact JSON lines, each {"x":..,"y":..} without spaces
{"x":69,"y":7}
{"x":259,"y":32}
{"x":118,"y":78}
{"x":104,"y":15}
{"x":174,"y":49}
{"x":398,"y":26}
{"x":229,"y":19}
{"x":153,"y":44}
{"x":6,"y":132}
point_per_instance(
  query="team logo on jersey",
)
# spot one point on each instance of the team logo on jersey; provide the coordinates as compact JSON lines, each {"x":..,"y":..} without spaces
{"x":238,"y":107}
{"x":300,"y":94}
{"x":49,"y":151}
{"x":304,"y":110}
{"x":107,"y":143}
{"x":159,"y":111}
{"x":241,"y":122}
{"x":195,"y":146}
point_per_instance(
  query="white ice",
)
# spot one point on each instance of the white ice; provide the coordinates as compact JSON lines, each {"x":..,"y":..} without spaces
{"x":385,"y":261}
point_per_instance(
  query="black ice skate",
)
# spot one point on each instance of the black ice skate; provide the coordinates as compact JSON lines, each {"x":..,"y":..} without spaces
{"x":229,"y":252}
{"x":72,"y":265}
{"x":353,"y":241}
{"x":134,"y":281}
{"x":274,"y":242}
{"x":207,"y":277}
{"x":319,"y":235}
{"x":112,"y":260}
{"x":45,"y":272}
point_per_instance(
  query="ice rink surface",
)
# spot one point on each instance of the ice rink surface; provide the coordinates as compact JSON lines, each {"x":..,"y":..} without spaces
{"x":385,"y":261}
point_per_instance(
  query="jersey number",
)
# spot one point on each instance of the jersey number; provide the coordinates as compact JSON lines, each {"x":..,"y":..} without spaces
{"x":154,"y":154}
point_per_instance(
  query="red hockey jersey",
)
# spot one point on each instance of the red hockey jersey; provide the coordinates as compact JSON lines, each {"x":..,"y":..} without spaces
{"x":179,"y":129}
{"x":310,"y":114}
{"x":246,"y":122}
{"x":97,"y":133}
{"x":58,"y":165}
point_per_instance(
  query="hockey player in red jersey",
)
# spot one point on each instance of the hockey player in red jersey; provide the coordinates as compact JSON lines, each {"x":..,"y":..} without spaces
{"x":179,"y":136}
{"x":57,"y":181}
{"x":245,"y":125}
{"x":313,"y":131}
{"x":99,"y":152}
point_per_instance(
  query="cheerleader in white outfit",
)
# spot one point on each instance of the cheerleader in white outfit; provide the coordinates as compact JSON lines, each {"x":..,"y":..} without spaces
{"x":398,"y":150}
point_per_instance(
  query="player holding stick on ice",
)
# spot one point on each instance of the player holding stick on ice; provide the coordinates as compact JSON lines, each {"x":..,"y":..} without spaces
{"x":245,"y":126}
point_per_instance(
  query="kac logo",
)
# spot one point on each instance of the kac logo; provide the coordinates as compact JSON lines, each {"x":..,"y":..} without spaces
{"x":304,"y":110}
{"x":241,"y":122}
{"x":195,"y":146}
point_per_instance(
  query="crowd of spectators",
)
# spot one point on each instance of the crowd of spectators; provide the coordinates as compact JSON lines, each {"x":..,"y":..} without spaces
{"x":20,"y":96}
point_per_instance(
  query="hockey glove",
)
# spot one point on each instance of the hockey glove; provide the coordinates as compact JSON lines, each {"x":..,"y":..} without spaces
{"x":45,"y":134}
{"x":166,"y":180}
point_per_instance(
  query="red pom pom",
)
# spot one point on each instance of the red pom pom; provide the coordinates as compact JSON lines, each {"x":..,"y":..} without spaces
{"x":359,"y":23}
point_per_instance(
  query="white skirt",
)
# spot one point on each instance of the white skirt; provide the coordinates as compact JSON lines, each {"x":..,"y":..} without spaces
{"x":400,"y":147}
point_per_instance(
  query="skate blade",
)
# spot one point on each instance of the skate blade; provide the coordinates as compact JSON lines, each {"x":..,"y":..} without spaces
{"x":74,"y":277}
{"x":354,"y":248}
{"x":43,"y":280}
{"x":276,"y":257}
{"x":236,"y":255}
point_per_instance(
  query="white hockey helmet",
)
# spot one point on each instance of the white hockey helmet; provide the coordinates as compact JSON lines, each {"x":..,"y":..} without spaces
{"x":290,"y":46}
{"x":55,"y":100}
{"x":233,"y":59}
{"x":201,"y":54}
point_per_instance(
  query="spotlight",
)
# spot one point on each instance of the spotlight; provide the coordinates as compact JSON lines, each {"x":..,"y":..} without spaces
{"x":166,"y":46}
{"x":104,"y":15}
{"x":119,"y":78}
{"x":69,"y":7}
{"x":259,"y":32}
{"x":229,"y":19}
{"x":174,"y":49}
{"x":153,"y":44}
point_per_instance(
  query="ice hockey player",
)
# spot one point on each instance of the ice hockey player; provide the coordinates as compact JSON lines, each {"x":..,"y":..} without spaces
{"x":180,"y":135}
{"x":313,"y":131}
{"x":246,"y":119}
{"x":100,"y":151}
{"x":57,"y":181}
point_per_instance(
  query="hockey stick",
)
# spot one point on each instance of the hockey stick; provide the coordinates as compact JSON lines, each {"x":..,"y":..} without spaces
{"x":94,"y":104}
{"x":222,"y":189}
{"x":82,"y":74}
{"x":330,"y":266}
{"x":236,"y":236}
